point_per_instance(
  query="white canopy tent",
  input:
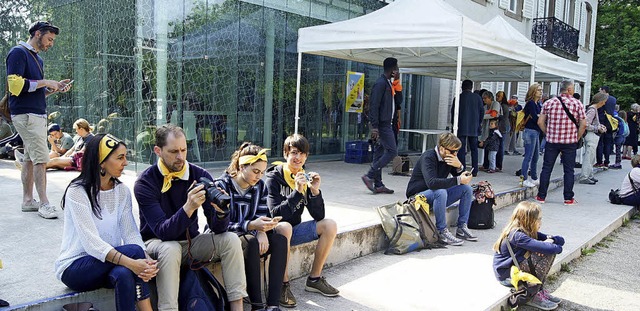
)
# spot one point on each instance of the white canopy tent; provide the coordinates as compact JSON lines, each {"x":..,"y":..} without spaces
{"x":420,"y":34}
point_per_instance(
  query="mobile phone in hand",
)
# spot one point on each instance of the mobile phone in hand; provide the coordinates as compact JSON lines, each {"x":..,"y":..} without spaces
{"x":276,"y":218}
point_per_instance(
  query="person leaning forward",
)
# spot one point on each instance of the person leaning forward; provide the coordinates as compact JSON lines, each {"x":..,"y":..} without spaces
{"x":168,"y":213}
{"x":28,"y":90}
{"x":430,"y":178}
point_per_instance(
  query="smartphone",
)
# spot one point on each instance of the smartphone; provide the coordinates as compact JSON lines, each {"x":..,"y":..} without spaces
{"x":69,"y":83}
{"x":276,"y":219}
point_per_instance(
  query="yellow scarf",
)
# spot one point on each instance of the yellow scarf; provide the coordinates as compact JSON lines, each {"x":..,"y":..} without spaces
{"x":169,"y":176}
{"x":250,"y":159}
{"x":290,"y":178}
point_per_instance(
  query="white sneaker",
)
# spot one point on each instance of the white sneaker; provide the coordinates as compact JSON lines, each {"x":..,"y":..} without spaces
{"x":32,"y":206}
{"x":47,"y":211}
{"x":536,"y":182}
{"x":529,"y":183}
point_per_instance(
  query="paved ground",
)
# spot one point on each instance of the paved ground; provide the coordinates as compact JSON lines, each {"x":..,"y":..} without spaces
{"x":30,"y":244}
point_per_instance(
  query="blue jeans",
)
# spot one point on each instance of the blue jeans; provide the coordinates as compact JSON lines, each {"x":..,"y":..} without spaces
{"x":441,"y":198}
{"x":472,"y":142}
{"x":605,"y":148}
{"x":567,"y":154}
{"x":88,"y":273}
{"x":531,"y":140}
{"x":633,"y":199}
{"x":385,"y":149}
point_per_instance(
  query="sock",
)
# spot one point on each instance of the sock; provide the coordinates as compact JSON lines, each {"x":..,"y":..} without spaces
{"x":285,"y":283}
{"x":314,"y":279}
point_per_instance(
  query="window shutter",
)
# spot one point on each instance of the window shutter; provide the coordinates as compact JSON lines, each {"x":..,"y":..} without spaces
{"x":583,"y":25}
{"x":523,"y":87}
{"x":503,"y":4}
{"x":485,"y":85}
{"x":577,"y":12}
{"x":559,"y":10}
{"x":500,"y":86}
{"x":527,"y":9}
{"x":541,"y":8}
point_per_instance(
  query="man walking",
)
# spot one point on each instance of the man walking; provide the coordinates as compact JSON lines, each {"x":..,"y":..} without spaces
{"x":556,"y":120}
{"x":605,"y":144}
{"x":381,"y":110}
{"x":169,"y":201}
{"x":28,"y":90}
{"x":470,"y":117}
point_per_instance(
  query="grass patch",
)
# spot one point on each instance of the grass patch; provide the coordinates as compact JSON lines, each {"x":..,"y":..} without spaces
{"x":587,"y":251}
{"x":602,"y":244}
{"x":552,"y":278}
{"x":625,"y":222}
{"x":635,"y":216}
{"x":564,"y":267}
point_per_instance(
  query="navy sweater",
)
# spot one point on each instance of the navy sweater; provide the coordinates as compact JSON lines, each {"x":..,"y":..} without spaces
{"x":20,"y":63}
{"x":533,"y":110}
{"x":431,"y":173}
{"x":289,"y":203}
{"x":521,"y":243}
{"x":161,"y":214}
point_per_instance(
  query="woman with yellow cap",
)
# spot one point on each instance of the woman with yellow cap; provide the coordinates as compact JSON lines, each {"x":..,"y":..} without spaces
{"x":250,"y":219}
{"x":101,"y":244}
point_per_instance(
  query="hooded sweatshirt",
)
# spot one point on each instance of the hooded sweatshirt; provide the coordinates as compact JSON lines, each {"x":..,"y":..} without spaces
{"x":289,"y":203}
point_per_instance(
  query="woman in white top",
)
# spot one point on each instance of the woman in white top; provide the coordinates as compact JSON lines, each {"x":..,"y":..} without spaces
{"x":630,"y":188}
{"x":101,"y":244}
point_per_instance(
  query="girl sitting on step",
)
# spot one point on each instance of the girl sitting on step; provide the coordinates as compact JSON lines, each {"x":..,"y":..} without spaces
{"x":534,"y":251}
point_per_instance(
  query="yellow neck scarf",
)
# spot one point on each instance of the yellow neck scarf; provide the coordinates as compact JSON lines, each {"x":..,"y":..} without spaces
{"x":290,"y":178}
{"x":169,"y":176}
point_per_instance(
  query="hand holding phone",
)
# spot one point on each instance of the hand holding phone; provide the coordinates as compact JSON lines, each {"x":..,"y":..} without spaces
{"x":276,"y":219}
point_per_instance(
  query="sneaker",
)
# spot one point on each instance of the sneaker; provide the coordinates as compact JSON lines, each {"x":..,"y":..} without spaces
{"x":594,"y":179}
{"x":383,"y":189}
{"x":286,"y":296}
{"x":449,"y":239}
{"x":464,"y":233}
{"x":490,"y":171}
{"x":615,"y":166}
{"x":587,"y":181}
{"x":517,"y":153}
{"x":598,"y":165}
{"x":47,"y":211}
{"x":321,"y":286}
{"x":570,"y":202}
{"x":528,"y":183}
{"x":578,"y":165}
{"x":536,"y":181}
{"x":369,"y":183}
{"x":550,"y":297}
{"x":32,"y":206}
{"x":538,"y":200}
{"x":541,"y":302}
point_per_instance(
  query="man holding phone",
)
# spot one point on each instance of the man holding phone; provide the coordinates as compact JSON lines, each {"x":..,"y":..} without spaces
{"x":381,"y":110}
{"x":291,"y":190}
{"x":430,"y":178}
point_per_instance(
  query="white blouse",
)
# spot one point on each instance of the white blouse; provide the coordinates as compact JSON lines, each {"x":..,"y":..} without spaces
{"x":85,"y":234}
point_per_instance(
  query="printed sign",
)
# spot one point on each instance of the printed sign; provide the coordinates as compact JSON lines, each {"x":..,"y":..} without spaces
{"x":355,"y":91}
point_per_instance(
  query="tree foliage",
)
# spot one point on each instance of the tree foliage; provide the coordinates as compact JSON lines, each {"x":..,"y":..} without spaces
{"x":617,"y":50}
{"x":15,"y":18}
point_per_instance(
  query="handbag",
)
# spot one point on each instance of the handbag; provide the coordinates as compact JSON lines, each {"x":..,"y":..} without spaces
{"x":573,"y":119}
{"x":79,"y":306}
{"x":526,"y":285}
{"x":614,"y":195}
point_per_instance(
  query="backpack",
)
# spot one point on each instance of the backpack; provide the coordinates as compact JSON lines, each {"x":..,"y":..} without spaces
{"x":623,"y":127}
{"x":521,"y":121}
{"x":401,"y":165}
{"x":419,"y":209}
{"x":201,"y":291}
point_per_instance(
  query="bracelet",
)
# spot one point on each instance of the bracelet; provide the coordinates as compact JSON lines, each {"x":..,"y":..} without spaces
{"x":118,"y":263}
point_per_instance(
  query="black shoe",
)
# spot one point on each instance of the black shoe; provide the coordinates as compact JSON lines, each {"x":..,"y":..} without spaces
{"x":369,"y":183}
{"x":594,"y":179}
{"x":383,"y":189}
{"x":578,"y":165}
{"x":519,"y":172}
{"x":587,"y":182}
{"x":3,"y":303}
{"x":286,"y":296}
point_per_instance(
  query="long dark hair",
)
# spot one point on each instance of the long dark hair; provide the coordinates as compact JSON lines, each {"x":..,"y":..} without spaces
{"x":89,"y":178}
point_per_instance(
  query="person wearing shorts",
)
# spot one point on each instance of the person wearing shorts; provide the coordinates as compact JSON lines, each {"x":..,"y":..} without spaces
{"x":291,"y":190}
{"x":27,"y":101}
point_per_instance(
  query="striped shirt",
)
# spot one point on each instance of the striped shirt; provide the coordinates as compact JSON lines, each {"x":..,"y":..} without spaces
{"x":560,"y":128}
{"x":244,"y":207}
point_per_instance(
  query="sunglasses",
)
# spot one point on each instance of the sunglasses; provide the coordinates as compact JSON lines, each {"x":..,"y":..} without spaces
{"x":452,"y":151}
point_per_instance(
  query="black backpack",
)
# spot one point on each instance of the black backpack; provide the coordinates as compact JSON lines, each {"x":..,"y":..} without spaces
{"x":201,"y":291}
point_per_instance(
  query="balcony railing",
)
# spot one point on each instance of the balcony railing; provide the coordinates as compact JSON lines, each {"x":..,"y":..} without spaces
{"x":556,"y":37}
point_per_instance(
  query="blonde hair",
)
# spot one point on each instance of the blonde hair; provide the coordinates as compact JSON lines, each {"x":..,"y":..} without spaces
{"x":525,"y":217}
{"x":531,"y":93}
{"x":635,"y":161}
{"x":82,"y":124}
{"x":449,"y":141}
{"x":247,"y":148}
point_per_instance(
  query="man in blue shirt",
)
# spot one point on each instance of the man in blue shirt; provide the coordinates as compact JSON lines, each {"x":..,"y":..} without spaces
{"x":605,"y":144}
{"x":28,"y":90}
{"x":470,"y":116}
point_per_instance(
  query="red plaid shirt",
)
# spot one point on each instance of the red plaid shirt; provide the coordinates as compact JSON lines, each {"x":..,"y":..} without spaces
{"x":560,"y":129}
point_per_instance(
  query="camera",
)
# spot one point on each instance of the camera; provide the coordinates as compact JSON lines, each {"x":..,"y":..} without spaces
{"x":308,"y":177}
{"x":215,"y":195}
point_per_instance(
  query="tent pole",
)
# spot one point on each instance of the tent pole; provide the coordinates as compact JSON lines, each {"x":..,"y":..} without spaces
{"x":533,"y":75}
{"x":456,"y":112}
{"x":295,"y":130}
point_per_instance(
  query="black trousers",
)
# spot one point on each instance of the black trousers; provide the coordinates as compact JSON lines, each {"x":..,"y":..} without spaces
{"x":277,"y":265}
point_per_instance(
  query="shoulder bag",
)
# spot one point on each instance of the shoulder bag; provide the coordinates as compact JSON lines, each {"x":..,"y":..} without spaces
{"x":526,"y":285}
{"x":573,"y":119}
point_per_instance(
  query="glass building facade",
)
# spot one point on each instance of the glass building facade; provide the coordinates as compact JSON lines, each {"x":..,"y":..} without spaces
{"x":224,"y":70}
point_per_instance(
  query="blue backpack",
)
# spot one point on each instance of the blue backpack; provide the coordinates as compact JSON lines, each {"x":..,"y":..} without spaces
{"x":623,"y":127}
{"x":201,"y":291}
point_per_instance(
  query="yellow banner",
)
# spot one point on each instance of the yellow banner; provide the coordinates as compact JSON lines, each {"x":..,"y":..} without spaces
{"x":355,"y":91}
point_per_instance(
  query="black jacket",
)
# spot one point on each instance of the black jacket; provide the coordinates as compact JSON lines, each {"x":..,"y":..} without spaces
{"x":381,"y":103}
{"x":430,"y":173}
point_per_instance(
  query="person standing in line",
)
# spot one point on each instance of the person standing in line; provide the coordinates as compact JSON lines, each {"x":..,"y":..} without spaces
{"x":605,"y":144}
{"x":530,"y":137}
{"x":381,"y":110}
{"x":513,"y":135}
{"x":492,"y":111}
{"x":594,"y":130}
{"x":470,"y":117}
{"x":504,"y":126}
{"x":27,"y":101}
{"x":631,"y":143}
{"x":562,"y":139}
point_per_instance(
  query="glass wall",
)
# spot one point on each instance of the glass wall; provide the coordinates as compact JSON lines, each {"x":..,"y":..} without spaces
{"x":225,"y":70}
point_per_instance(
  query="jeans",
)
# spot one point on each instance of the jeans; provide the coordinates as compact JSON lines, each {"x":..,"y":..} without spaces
{"x":472,"y":142}
{"x":605,"y":148}
{"x":441,"y":198}
{"x":567,"y":154}
{"x":618,"y":151}
{"x":501,"y":148}
{"x":385,"y":149}
{"x":89,"y":273}
{"x":590,"y":146}
{"x":633,"y":199}
{"x":492,"y":159}
{"x":512,"y":141}
{"x":277,"y":265}
{"x":531,"y":146}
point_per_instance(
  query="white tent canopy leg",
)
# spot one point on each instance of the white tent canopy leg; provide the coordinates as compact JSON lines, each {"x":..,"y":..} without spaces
{"x":295,"y":130}
{"x":457,"y":90}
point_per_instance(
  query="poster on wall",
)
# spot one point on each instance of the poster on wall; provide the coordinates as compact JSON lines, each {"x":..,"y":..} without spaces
{"x":355,"y":91}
